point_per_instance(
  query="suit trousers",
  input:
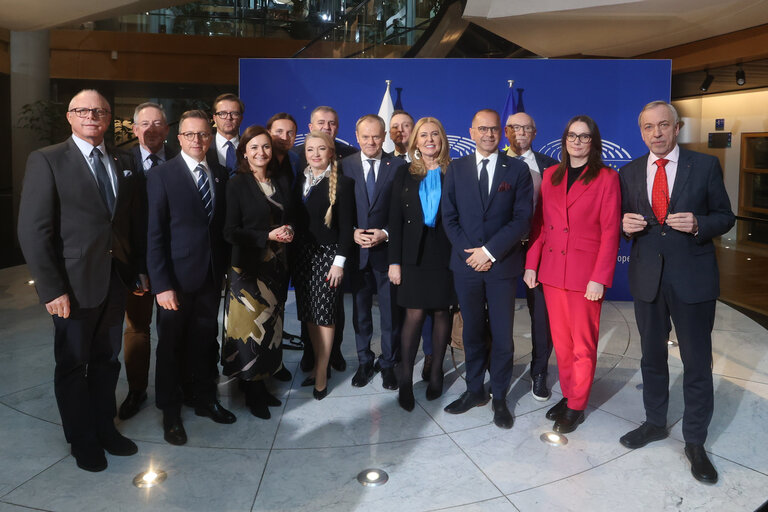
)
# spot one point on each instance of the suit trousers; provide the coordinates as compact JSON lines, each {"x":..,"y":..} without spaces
{"x":474,"y":291}
{"x":367,"y":282}
{"x":187,"y":340}
{"x":86,"y":347}
{"x":541,"y":336}
{"x":137,"y":348}
{"x":575,"y":325}
{"x":693,"y":325}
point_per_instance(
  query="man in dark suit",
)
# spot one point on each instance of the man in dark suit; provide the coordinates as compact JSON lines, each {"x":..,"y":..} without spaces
{"x":186,"y":258}
{"x":282,"y":129}
{"x":400,"y":128}
{"x":674,"y":202}
{"x":326,"y":120}
{"x":151,"y":128}
{"x":487,"y":208}
{"x":520,"y":131}
{"x":228,"y":110}
{"x":373,"y":172}
{"x":84,"y":249}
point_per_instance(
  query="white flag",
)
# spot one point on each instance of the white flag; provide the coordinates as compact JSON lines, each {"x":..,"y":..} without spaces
{"x":385,"y":112}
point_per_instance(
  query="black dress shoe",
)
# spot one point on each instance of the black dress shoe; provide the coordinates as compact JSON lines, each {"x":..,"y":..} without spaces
{"x":337,"y":361}
{"x":216,"y":412}
{"x":117,"y":444}
{"x":405,"y":397}
{"x":643,"y":435}
{"x":558,"y":409}
{"x":173,"y":430}
{"x":283,"y":375}
{"x":427,"y":369}
{"x":388,"y":378}
{"x":466,"y":402}
{"x":502,"y":418}
{"x":539,"y":388}
{"x":701,"y":468}
{"x":131,"y":404}
{"x":568,"y":421}
{"x":363,"y":375}
{"x":89,"y":457}
{"x":273,"y":401}
{"x":318,"y":394}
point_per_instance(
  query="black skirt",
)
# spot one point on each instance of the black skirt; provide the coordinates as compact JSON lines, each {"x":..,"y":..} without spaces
{"x":429,"y":283}
{"x":315,"y":299}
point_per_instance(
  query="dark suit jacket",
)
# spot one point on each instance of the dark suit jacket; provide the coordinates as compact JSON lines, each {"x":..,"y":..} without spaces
{"x":544,"y":161}
{"x":374,"y":214}
{"x":500,"y":226}
{"x":342,"y":151}
{"x":68,"y":237}
{"x":406,"y":223}
{"x":136,"y":154}
{"x":249,"y":212}
{"x":182,"y":244}
{"x":688,"y":261}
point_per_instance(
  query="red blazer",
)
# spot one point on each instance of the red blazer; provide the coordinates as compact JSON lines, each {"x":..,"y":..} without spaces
{"x":575,"y":233}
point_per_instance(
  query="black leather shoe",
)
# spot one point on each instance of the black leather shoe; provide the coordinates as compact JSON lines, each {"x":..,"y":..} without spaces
{"x":539,"y":388}
{"x":318,"y":394}
{"x":117,"y":444}
{"x":131,"y":404}
{"x":502,"y":418}
{"x":388,"y":378}
{"x":283,"y":375}
{"x":427,"y":369}
{"x":558,"y":409}
{"x":216,"y":412}
{"x":89,"y":457}
{"x":337,"y":361}
{"x":273,"y":401}
{"x":405,"y":397}
{"x":173,"y":430}
{"x":466,"y":402}
{"x":568,"y":421}
{"x":363,"y":375}
{"x":701,"y":468}
{"x":643,"y":435}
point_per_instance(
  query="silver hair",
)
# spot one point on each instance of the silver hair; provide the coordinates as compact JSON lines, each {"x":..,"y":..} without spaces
{"x":149,"y":104}
{"x":659,"y":103}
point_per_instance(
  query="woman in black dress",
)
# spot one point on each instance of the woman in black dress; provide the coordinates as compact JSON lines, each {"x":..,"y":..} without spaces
{"x":257,"y":227}
{"x":324,"y":224}
{"x":419,"y":253}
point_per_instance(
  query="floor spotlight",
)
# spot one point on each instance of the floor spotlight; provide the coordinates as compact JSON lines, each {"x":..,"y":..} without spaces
{"x":149,"y":478}
{"x":553,"y":439}
{"x":31,"y":282}
{"x":741,"y":78}
{"x":708,"y":79}
{"x":372,"y":477}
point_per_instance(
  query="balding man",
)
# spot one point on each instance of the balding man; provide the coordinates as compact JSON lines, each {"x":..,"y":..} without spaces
{"x":520,"y":131}
{"x":84,"y":249}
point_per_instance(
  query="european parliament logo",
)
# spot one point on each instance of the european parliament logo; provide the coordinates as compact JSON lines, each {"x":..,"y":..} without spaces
{"x":613,"y":154}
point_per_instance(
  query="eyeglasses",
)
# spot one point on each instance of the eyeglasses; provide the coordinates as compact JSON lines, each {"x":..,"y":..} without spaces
{"x":527,"y":128}
{"x":154,"y":124}
{"x":486,"y":129}
{"x":85,"y":112}
{"x":191,"y":136}
{"x":583,"y":137}
{"x":228,"y":115}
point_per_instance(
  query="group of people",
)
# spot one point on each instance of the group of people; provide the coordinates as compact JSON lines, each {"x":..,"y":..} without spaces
{"x":107,"y":235}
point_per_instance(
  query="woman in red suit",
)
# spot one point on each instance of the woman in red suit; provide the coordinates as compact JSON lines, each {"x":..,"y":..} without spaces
{"x":574,"y":243}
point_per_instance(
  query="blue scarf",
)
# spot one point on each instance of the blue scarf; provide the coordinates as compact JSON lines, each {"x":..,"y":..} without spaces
{"x":429,"y":193}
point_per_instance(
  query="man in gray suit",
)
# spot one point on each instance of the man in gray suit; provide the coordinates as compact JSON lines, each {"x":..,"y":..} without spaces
{"x":84,"y":249}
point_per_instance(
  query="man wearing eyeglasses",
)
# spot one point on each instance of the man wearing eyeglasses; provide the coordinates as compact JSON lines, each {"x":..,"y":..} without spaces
{"x":487,"y":205}
{"x":520,"y":131}
{"x":674,"y":202}
{"x":84,"y":247}
{"x":228,"y":112}
{"x":186,"y":258}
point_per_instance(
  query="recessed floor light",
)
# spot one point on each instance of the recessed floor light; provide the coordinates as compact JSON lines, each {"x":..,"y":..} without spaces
{"x":149,"y":478}
{"x":372,"y":477}
{"x":553,"y":439}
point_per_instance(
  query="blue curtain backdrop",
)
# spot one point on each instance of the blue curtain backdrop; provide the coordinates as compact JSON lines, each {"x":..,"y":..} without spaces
{"x":610,"y":91}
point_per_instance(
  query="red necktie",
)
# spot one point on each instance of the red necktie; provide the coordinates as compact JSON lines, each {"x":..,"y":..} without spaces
{"x":660,"y":191}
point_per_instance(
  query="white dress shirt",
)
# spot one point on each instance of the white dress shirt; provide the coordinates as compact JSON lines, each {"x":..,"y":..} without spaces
{"x":533,"y":166}
{"x":367,"y":166}
{"x":86,"y":148}
{"x":670,"y":169}
{"x":221,"y":147}
{"x":146,"y":162}
{"x":192,"y":165}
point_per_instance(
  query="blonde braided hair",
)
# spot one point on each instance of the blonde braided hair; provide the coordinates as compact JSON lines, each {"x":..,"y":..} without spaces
{"x":333,"y":177}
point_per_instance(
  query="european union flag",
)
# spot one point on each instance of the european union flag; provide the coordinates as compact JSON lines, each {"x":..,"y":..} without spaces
{"x":510,"y":107}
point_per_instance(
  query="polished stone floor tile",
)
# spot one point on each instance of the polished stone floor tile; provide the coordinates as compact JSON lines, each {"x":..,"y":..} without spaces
{"x":492,"y":505}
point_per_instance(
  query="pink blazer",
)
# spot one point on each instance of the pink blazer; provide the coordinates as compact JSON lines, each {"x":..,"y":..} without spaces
{"x":575,"y":233}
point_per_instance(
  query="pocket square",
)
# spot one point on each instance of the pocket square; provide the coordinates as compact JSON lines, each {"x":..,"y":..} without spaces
{"x":504,"y":187}
{"x":127,"y":172}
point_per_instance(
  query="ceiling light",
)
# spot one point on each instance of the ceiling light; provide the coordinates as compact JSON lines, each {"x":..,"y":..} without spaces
{"x":741,"y":78}
{"x":708,"y":79}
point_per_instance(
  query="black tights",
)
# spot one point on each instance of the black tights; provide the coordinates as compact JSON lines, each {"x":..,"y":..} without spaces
{"x":409,"y":340}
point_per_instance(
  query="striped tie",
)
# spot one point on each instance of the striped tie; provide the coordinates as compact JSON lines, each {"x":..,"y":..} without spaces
{"x":205,"y":190}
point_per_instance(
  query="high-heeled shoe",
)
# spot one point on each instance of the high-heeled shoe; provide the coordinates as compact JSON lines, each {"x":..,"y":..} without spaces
{"x":310,"y":381}
{"x":405,"y":397}
{"x":318,"y":394}
{"x":436,"y":391}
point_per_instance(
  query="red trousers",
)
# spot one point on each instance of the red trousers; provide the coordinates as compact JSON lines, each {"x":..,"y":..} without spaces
{"x":575,"y":325}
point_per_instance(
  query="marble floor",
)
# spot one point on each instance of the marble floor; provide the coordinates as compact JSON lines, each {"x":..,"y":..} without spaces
{"x":307,"y":456}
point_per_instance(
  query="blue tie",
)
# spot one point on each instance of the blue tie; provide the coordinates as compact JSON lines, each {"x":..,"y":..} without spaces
{"x":205,"y":190}
{"x":231,"y":162}
{"x":484,"y":182}
{"x":370,"y":181}
{"x":102,"y":178}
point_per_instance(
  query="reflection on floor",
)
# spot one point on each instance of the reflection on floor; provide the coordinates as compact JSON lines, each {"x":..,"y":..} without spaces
{"x":307,"y":456}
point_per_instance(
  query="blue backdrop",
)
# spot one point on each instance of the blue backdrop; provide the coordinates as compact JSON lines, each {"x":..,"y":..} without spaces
{"x":612,"y":92}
